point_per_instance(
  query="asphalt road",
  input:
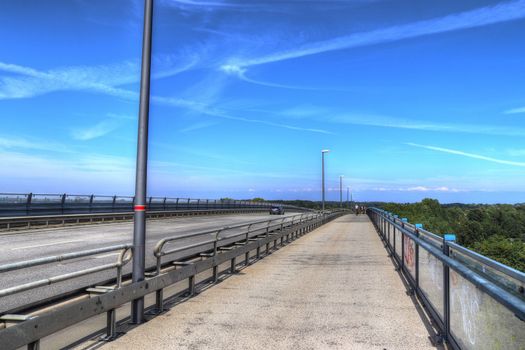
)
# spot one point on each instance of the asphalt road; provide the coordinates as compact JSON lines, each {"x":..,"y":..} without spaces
{"x":25,"y":245}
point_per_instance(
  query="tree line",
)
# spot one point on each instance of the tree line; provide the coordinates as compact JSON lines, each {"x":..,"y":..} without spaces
{"x":496,"y":231}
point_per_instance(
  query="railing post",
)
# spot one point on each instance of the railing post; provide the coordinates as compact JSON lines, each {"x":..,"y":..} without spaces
{"x":28,"y":203}
{"x":63,"y":202}
{"x":403,"y":220}
{"x":418,"y":226}
{"x":164,"y":203}
{"x":394,"y":228}
{"x":446,"y":287}
{"x":388,"y":226}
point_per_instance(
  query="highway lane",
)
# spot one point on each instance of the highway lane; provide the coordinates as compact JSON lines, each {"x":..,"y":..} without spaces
{"x":47,"y":242}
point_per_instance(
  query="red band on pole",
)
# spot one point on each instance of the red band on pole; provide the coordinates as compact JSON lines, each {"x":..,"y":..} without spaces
{"x":139,"y":207}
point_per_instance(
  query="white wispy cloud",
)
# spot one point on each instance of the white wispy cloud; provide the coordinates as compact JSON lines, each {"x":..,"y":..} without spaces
{"x":503,"y":12}
{"x":21,"y":143}
{"x":466,"y":154}
{"x":95,"y":131}
{"x":105,"y":79}
{"x":417,"y":189}
{"x":25,"y":82}
{"x":205,"y":109}
{"x":198,"y":126}
{"x":515,"y":110}
{"x":326,"y":114}
{"x":240,"y":73}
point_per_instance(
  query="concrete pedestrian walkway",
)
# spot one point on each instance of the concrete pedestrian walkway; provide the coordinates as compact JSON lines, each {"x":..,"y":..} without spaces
{"x":334,"y":288}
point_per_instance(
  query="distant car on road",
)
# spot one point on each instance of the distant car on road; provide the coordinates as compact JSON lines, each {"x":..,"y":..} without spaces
{"x":276,"y":210}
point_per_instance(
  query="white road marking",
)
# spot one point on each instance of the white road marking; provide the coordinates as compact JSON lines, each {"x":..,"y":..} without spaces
{"x":47,"y":244}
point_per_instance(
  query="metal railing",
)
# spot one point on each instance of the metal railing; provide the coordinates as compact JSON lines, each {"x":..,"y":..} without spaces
{"x":243,"y":239}
{"x":124,"y":257}
{"x":219,"y":235}
{"x":477,"y":303}
{"x":20,"y":204}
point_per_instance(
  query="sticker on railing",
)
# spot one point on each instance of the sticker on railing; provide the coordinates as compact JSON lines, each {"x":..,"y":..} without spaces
{"x":139,"y":207}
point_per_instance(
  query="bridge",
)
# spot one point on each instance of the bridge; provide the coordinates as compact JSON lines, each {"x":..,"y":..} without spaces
{"x":305,"y":280}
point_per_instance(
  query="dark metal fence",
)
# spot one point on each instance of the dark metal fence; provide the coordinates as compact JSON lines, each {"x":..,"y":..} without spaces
{"x":32,"y":204}
{"x":477,"y":303}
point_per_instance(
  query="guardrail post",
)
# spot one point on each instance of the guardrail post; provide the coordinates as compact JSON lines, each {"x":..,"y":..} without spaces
{"x":34,"y":345}
{"x":216,"y":267}
{"x":247,"y":254}
{"x":111,"y":325}
{"x":448,"y":237}
{"x":267,"y":235}
{"x":164,"y":203}
{"x":191,"y":285}
{"x":233,"y":265}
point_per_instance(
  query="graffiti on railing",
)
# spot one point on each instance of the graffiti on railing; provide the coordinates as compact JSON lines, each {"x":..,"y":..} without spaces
{"x":410,"y":255}
{"x":466,"y":299}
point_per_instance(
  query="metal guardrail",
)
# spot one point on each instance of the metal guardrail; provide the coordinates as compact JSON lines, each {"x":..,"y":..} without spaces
{"x":20,"y":204}
{"x":218,"y":235}
{"x":25,"y":222}
{"x":477,"y":303}
{"x":123,"y":258}
{"x":29,"y":330}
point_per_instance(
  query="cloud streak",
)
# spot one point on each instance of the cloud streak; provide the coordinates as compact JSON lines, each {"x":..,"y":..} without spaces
{"x":466,"y":154}
{"x":414,"y":124}
{"x":29,"y":82}
{"x":515,"y":110}
{"x":503,"y":12}
{"x":95,"y":131}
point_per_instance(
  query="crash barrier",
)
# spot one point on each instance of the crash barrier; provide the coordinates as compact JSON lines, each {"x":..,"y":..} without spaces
{"x":44,"y":221}
{"x":32,"y":204}
{"x":225,"y":245}
{"x":476,"y":303}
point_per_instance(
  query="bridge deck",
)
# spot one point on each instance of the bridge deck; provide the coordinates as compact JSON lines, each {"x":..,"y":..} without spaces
{"x":333,"y":288}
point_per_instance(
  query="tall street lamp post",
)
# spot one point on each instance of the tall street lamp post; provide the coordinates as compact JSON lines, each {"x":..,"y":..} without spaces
{"x":341,"y":191}
{"x":322,"y":157}
{"x":139,"y":225}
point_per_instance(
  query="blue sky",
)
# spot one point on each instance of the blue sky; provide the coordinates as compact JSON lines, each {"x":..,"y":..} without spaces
{"x":415,"y":99}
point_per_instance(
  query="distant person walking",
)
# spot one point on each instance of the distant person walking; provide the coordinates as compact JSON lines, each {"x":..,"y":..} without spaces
{"x":356,"y":209}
